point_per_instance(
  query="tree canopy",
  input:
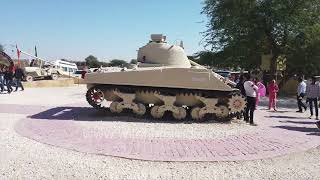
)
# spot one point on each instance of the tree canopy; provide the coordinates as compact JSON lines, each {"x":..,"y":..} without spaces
{"x":240,"y":31}
{"x":92,"y":61}
{"x":1,"y":47}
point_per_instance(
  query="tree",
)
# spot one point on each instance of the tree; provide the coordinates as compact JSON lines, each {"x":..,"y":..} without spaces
{"x":118,"y":62}
{"x":240,"y":31}
{"x":1,"y":47}
{"x":133,"y":61}
{"x":92,"y":62}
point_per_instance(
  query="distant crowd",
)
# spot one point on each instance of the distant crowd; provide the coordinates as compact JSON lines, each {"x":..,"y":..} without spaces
{"x":253,"y":89}
{"x":11,"y":77}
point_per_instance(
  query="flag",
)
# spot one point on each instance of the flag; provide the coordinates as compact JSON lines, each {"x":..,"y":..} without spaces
{"x":18,"y":54}
{"x":35,"y":51}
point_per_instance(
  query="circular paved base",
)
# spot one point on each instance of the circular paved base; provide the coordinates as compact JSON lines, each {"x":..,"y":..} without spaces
{"x":275,"y":135}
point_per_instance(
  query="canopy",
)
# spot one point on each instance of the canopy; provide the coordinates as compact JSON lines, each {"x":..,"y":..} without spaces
{"x":5,"y":59}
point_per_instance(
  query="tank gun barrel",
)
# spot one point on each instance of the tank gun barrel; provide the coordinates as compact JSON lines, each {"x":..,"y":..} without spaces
{"x":25,"y":53}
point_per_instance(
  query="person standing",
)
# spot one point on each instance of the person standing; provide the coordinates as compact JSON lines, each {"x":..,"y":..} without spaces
{"x":1,"y":78}
{"x":251,"y":93}
{"x":19,"y":75}
{"x":273,"y":89}
{"x":313,"y":93}
{"x":242,"y":91}
{"x":8,"y":76}
{"x":261,"y":91}
{"x":300,"y":94}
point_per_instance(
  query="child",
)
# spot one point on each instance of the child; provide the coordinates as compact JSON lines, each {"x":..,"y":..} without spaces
{"x":273,"y":90}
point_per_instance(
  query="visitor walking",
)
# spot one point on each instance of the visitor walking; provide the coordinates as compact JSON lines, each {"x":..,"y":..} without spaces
{"x":251,"y":93}
{"x":1,"y":79}
{"x":8,"y":76}
{"x":300,"y":94}
{"x":19,"y":75}
{"x":273,"y":90}
{"x":313,"y":93}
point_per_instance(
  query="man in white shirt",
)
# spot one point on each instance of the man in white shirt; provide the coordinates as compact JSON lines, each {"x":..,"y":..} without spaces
{"x":301,"y":91}
{"x":251,"y":93}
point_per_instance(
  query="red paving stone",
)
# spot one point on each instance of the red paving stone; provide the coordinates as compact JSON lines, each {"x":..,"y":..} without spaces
{"x":274,"y":136}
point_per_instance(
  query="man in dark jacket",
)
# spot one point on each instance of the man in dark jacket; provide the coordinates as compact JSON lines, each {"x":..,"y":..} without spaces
{"x":8,"y":76}
{"x":19,"y":75}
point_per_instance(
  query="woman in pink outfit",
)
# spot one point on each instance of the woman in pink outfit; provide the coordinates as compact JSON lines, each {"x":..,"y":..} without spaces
{"x":273,"y":90}
{"x":261,"y":91}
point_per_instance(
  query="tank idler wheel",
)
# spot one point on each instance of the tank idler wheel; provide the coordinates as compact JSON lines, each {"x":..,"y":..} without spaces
{"x":223,"y":111}
{"x":155,"y":112}
{"x":181,"y":115}
{"x":141,"y":109}
{"x":114,"y":107}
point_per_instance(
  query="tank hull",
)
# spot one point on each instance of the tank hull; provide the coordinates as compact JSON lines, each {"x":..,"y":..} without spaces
{"x":165,"y":89}
{"x":188,"y":78}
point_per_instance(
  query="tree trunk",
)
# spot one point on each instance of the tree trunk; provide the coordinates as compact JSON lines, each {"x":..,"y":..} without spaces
{"x":273,"y":64}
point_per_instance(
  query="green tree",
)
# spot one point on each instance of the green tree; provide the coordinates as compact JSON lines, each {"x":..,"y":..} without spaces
{"x":118,"y":62}
{"x":240,"y":31}
{"x":133,"y":61}
{"x":1,"y":47}
{"x":92,"y":62}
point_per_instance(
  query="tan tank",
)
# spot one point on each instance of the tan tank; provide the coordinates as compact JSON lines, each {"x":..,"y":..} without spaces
{"x":165,"y":80}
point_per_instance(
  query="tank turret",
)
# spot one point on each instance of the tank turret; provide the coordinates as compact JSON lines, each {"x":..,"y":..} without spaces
{"x":159,"y":53}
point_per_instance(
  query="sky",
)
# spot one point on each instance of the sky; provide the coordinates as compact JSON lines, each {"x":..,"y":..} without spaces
{"x":107,"y":29}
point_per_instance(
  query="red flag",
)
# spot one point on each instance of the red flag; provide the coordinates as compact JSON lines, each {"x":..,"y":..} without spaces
{"x":18,"y":54}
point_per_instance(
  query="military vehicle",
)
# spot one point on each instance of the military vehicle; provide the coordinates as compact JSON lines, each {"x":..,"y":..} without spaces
{"x":165,"y":80}
{"x":44,"y":72}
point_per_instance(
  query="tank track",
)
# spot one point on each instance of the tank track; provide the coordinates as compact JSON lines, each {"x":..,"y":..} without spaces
{"x":218,"y":105}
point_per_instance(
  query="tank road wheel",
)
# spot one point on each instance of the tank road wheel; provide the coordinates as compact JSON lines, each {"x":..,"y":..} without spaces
{"x":114,"y":107}
{"x":141,"y":110}
{"x":195,"y":114}
{"x":237,"y":103}
{"x":155,"y":112}
{"x":222,"y":112}
{"x":181,"y":115}
{"x":95,"y":97}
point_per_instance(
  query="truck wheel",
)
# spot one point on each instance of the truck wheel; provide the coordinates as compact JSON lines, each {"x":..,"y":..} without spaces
{"x":54,"y":76}
{"x":29,"y":78}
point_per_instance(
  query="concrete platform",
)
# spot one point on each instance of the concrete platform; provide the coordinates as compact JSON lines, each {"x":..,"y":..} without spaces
{"x":52,"y":133}
{"x":275,"y":135}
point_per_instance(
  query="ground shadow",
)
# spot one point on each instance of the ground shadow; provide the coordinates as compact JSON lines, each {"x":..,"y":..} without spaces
{"x":284,"y":117}
{"x":91,"y":114}
{"x":298,"y":122}
{"x":309,"y":130}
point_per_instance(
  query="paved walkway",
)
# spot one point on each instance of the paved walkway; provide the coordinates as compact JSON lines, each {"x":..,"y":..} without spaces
{"x":277,"y":134}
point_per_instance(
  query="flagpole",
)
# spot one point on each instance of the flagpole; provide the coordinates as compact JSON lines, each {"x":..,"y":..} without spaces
{"x":18,"y":54}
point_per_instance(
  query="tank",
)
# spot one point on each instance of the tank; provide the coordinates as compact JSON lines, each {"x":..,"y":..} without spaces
{"x":165,"y":81}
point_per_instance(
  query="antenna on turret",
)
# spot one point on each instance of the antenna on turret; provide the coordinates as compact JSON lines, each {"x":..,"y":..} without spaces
{"x":181,"y":44}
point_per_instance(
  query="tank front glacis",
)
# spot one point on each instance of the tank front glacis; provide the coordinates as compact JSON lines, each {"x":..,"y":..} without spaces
{"x":165,"y":81}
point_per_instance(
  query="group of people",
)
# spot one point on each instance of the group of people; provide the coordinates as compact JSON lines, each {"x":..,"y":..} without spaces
{"x":253,"y":89}
{"x":312,"y":93}
{"x":9,"y":76}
